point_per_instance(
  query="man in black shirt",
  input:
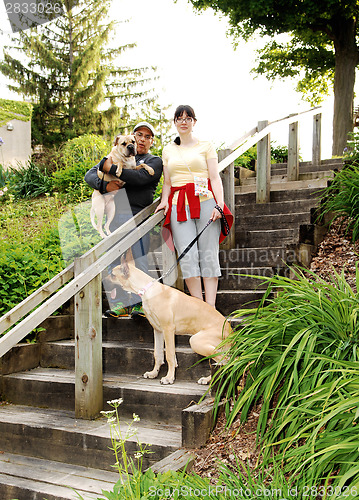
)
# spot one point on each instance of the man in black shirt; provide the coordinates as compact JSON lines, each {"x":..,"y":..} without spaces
{"x":139,"y":189}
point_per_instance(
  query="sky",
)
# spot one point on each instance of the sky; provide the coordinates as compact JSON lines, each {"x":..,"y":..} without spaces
{"x":198,"y":65}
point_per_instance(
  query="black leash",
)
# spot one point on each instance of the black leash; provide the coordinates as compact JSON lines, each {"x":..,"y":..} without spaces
{"x":224,"y":228}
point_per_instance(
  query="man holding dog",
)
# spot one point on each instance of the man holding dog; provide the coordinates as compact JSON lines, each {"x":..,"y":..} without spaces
{"x":140,"y":188}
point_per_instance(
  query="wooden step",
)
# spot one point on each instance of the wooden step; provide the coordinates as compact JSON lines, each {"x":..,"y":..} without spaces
{"x":277,"y":177}
{"x":125,"y":357}
{"x":275,"y":256}
{"x":288,"y":186}
{"x":267,"y":238}
{"x":280,"y":195}
{"x":55,"y":388}
{"x":228,"y":301}
{"x":244,"y":278}
{"x":274,"y":208}
{"x":57,"y":435}
{"x":24,"y":477}
{"x":273,"y":221}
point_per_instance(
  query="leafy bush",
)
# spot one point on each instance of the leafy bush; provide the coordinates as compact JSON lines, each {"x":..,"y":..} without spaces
{"x":279,"y":154}
{"x":4,"y":176}
{"x":351,"y":151}
{"x":79,"y":155}
{"x":298,"y":357}
{"x":76,"y":232}
{"x":29,"y":181}
{"x":23,"y":270}
{"x":30,"y":252}
{"x":247,"y":159}
{"x":341,"y":197}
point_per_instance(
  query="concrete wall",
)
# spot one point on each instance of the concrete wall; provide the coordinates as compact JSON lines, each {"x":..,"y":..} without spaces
{"x":17,"y":143}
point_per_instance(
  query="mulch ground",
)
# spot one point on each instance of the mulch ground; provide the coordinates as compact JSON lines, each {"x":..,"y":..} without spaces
{"x":336,"y":252}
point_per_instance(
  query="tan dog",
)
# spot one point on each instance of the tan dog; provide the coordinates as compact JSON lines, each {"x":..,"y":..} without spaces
{"x":123,"y":156}
{"x":173,"y":312}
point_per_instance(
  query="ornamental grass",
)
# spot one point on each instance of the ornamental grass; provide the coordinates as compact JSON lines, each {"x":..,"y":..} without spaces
{"x":296,"y":356}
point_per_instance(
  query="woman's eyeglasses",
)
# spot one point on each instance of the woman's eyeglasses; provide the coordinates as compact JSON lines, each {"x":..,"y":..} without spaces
{"x":188,"y":119}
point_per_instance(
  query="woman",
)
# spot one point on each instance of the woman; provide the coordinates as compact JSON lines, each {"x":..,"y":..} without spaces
{"x":192,"y":189}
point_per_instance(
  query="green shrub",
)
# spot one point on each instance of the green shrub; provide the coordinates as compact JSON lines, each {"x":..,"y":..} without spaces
{"x":341,"y":197}
{"x":76,"y":232}
{"x":87,"y":147}
{"x":30,"y":252}
{"x":351,"y":151}
{"x":29,"y":181}
{"x":23,"y":270}
{"x":247,"y":159}
{"x":279,"y":154}
{"x":78,"y":156}
{"x":298,"y":358}
{"x":4,"y":176}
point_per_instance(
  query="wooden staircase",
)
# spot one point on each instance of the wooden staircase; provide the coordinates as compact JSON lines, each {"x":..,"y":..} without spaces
{"x":45,"y":449}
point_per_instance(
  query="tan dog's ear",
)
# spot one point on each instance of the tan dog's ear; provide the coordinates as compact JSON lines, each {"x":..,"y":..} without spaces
{"x":129,"y":257}
{"x":125,"y":270}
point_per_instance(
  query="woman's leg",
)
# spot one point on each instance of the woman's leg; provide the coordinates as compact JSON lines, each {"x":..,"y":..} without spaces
{"x":194,"y":286}
{"x":208,"y":247}
{"x":210,"y":290}
{"x":183,"y":233}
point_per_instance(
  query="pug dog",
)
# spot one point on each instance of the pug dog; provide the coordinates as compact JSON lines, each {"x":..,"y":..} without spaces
{"x":123,"y":156}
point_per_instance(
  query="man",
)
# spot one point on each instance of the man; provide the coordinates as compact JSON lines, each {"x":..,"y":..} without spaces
{"x":139,"y":189}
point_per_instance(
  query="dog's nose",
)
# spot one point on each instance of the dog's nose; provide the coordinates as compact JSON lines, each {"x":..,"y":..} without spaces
{"x":131,"y":147}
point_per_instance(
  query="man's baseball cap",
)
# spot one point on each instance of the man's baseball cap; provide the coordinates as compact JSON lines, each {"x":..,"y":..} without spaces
{"x":147,"y":125}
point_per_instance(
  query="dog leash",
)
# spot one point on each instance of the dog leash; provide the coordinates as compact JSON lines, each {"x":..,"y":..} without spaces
{"x":225,"y":230}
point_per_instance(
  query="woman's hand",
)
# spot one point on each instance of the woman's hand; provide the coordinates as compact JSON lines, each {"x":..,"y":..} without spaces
{"x":162,"y":206}
{"x":216,"y":214}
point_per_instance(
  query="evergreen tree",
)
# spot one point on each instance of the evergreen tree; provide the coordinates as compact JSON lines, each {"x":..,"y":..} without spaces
{"x":71,"y":77}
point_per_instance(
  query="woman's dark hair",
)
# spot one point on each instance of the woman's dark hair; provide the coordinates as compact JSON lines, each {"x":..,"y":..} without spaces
{"x":183,"y":108}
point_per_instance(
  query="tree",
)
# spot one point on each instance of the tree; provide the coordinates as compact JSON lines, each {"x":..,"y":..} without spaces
{"x":333,"y":23}
{"x":70,"y":74}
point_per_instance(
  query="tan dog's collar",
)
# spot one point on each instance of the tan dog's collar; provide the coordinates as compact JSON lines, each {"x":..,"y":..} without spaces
{"x":143,"y":290}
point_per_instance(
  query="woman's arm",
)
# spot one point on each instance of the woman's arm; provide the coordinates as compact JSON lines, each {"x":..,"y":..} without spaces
{"x":166,"y":190}
{"x":217,"y":186}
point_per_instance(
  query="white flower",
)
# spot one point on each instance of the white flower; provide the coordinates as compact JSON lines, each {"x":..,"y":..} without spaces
{"x":107,"y":414}
{"x":5,"y":189}
{"x":2,"y":193}
{"x":135,"y":417}
{"x":115,"y":402}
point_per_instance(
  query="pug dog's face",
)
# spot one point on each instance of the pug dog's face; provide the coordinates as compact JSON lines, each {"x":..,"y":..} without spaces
{"x":126,"y":145}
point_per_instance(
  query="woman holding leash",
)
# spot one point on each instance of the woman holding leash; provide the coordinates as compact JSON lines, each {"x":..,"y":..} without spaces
{"x":192,"y":195}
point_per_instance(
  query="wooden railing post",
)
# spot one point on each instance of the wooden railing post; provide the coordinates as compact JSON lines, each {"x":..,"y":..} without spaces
{"x":227,"y":176}
{"x":263,"y":166}
{"x":317,"y":139}
{"x":293,"y":152}
{"x":88,"y":344}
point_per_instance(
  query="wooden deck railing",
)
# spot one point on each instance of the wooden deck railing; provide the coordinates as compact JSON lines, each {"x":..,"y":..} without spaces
{"x":82,"y":279}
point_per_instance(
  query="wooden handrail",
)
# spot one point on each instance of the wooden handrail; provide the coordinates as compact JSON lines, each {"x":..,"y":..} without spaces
{"x":254,"y":136}
{"x":34,"y":319}
{"x":46,"y":290}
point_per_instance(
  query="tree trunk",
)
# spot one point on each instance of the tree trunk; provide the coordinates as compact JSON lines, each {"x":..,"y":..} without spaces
{"x":346,"y":60}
